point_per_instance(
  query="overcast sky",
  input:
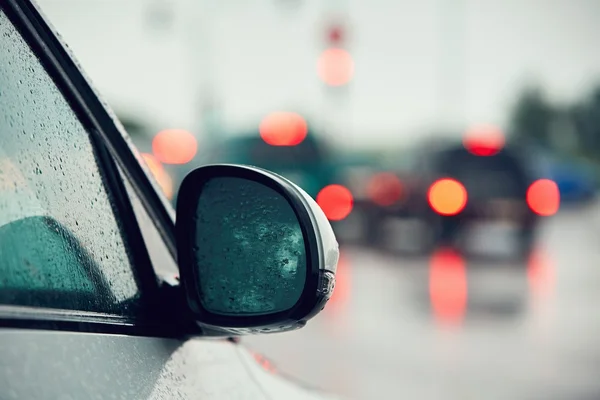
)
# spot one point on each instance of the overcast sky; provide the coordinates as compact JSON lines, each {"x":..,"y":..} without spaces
{"x":419,"y":64}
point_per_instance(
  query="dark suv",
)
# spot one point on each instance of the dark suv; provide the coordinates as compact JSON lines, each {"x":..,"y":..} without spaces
{"x":468,"y":201}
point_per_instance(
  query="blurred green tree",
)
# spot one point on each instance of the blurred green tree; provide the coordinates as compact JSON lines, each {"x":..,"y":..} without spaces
{"x":532,"y":117}
{"x":586,"y":118}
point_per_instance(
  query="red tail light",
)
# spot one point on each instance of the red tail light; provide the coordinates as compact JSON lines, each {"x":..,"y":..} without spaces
{"x":447,"y":196}
{"x":543,"y":197}
{"x":484,"y":140}
{"x":385,"y":189}
{"x":336,"y":201}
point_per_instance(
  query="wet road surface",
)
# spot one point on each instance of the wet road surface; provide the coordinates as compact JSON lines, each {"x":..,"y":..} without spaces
{"x":446,"y":328}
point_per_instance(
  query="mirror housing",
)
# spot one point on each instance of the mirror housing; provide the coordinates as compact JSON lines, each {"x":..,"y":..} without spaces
{"x":256,"y":253}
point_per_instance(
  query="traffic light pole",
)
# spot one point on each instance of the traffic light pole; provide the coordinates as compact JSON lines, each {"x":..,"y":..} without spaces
{"x":198,"y":29}
{"x":334,"y":13}
{"x":451,"y":63}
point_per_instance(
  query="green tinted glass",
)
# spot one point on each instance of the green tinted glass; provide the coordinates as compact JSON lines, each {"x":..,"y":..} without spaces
{"x":60,"y":243}
{"x":250,"y":249}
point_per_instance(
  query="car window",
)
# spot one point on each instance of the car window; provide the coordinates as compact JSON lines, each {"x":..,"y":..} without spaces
{"x":60,"y":243}
{"x":500,"y":175}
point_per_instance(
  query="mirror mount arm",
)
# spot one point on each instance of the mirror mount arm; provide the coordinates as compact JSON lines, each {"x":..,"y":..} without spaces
{"x":174,"y":311}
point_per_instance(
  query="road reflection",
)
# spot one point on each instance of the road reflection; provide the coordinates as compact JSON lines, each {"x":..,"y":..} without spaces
{"x":343,"y":285}
{"x":452,"y":326}
{"x":457,"y":288}
{"x":460,"y":288}
{"x":541,"y":276}
{"x":448,"y":287}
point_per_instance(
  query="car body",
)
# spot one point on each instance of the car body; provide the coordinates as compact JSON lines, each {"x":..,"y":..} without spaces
{"x":88,"y":248}
{"x":576,"y":180}
{"x":491,"y":193}
{"x":383,"y":189}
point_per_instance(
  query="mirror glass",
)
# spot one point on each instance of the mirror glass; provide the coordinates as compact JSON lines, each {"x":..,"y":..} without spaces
{"x":249,"y":253}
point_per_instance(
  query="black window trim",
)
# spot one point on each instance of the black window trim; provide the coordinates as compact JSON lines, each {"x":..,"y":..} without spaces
{"x":21,"y":317}
{"x":109,"y":143}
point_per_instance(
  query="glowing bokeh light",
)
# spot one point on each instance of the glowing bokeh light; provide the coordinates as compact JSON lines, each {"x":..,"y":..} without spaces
{"x":484,"y":140}
{"x":336,"y":201}
{"x":174,"y":146}
{"x":335,"y":35}
{"x":283,"y":129}
{"x":385,"y":189}
{"x":543,"y":197}
{"x":447,"y":196}
{"x":335,"y":67}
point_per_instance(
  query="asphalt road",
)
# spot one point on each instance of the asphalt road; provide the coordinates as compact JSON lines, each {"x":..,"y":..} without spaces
{"x":446,"y":328}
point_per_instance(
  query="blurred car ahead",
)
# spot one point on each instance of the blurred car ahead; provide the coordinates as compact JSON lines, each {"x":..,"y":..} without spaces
{"x":306,"y":164}
{"x":480,"y":202}
{"x":102,"y":293}
{"x":307,"y":161}
{"x":380,"y":188}
{"x":577,"y":181}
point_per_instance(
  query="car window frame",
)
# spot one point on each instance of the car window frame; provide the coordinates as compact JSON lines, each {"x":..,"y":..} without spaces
{"x":111,"y":148}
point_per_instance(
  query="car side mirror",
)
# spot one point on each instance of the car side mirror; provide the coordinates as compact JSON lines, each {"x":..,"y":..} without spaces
{"x":256,"y":253}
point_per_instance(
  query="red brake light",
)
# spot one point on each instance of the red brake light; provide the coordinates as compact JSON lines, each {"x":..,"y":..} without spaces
{"x":283,"y":129}
{"x":447,"y":196}
{"x":385,"y":189}
{"x":174,"y":146}
{"x":543,"y":197}
{"x":484,"y":141}
{"x":336,"y":201}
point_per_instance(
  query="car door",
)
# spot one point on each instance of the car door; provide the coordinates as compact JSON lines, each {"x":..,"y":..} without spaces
{"x":80,"y":314}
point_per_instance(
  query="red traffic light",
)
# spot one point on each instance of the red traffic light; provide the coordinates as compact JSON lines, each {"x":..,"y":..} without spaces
{"x":335,"y":67}
{"x":335,"y":35}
